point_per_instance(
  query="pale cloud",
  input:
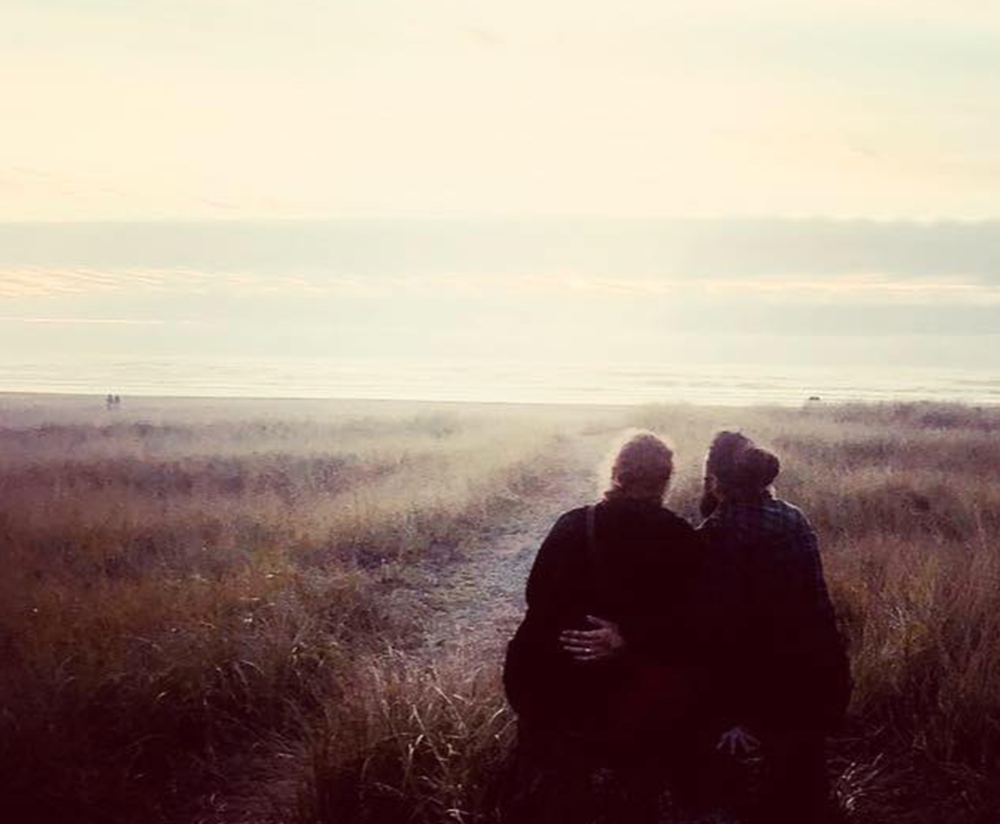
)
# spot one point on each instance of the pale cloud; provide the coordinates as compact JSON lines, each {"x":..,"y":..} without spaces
{"x":24,"y":282}
{"x":536,"y":286}
{"x":84,"y":321}
{"x":844,"y":289}
{"x":42,"y":282}
{"x":583,"y":107}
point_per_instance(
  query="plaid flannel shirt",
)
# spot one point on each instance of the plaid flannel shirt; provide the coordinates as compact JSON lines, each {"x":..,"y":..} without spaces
{"x":767,"y":608}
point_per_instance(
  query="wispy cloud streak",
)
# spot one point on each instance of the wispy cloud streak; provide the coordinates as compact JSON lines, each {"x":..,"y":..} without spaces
{"x":27,"y":282}
{"x":85,"y":321}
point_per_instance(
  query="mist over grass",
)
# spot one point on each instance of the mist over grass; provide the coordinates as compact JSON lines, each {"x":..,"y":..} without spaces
{"x":213,"y":611}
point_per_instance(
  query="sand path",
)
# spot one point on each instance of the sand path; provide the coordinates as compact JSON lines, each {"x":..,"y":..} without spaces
{"x":470,"y":599}
{"x":472,"y":603}
{"x":477,"y":603}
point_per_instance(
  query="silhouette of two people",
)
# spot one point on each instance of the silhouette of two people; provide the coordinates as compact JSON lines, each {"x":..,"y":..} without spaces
{"x":655,"y":657}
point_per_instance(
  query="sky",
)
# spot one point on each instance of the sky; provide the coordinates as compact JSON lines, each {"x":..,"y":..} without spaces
{"x":808,"y":181}
{"x":191,"y":109}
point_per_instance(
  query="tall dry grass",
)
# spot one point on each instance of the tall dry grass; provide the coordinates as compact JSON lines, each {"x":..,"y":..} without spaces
{"x":413,"y":742}
{"x":174,"y":594}
{"x":906,"y":500}
{"x":907,"y":503}
{"x":203,"y":603}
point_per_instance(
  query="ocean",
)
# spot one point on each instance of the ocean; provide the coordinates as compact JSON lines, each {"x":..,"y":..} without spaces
{"x":480,"y":381}
{"x":533,"y":311}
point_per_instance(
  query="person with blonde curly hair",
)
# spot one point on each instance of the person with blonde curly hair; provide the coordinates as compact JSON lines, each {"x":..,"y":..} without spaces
{"x":595,"y":671}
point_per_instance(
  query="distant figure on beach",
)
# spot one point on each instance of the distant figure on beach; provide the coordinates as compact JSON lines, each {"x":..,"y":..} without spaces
{"x":598,"y":670}
{"x":110,"y":402}
{"x":780,"y":662}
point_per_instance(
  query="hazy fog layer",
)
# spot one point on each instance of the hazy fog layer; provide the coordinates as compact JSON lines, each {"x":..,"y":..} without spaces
{"x":573,"y":180}
{"x":822,"y":292}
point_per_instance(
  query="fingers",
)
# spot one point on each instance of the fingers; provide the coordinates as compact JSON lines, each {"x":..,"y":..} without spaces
{"x":737,"y":743}
{"x":578,"y":649}
{"x":589,"y":645}
{"x":585,"y":649}
{"x":579,"y":642}
{"x":594,"y":636}
{"x":731,"y":747}
{"x":583,"y":646}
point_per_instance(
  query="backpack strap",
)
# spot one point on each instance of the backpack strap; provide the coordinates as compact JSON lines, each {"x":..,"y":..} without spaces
{"x":594,"y":556}
{"x":592,"y":532}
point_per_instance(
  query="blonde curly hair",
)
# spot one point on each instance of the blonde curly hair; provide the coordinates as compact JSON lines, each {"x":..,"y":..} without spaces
{"x":639,"y":467}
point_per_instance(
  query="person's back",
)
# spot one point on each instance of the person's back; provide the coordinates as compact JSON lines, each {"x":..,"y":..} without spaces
{"x":779,"y":657}
{"x":649,"y":557}
{"x":603,"y":594}
{"x":773,"y":605}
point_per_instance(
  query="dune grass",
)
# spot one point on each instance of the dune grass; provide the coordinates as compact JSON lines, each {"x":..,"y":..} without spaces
{"x":172,"y":592}
{"x":906,"y":500}
{"x":210,"y":602}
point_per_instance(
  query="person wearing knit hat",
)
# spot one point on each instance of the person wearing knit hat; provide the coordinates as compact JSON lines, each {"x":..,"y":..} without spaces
{"x":756,"y":470}
{"x":780,"y":662}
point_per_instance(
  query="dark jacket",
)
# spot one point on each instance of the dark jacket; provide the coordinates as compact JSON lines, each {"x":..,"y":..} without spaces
{"x":779,"y":656}
{"x":648,"y":560}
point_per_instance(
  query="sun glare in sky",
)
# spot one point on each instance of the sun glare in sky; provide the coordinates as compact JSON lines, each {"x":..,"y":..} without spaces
{"x":218,"y":108}
{"x":720,"y":179}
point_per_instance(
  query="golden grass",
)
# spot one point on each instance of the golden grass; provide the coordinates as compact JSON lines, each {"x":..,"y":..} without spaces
{"x":202,"y":598}
{"x":423,"y":742}
{"x":906,"y":500}
{"x":173,"y":592}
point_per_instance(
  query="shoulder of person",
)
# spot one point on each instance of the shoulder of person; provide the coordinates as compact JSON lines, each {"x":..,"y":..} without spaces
{"x":676,"y":524}
{"x":557,"y":549}
{"x":791,"y":513}
{"x":570,"y":523}
{"x":715,"y":522}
